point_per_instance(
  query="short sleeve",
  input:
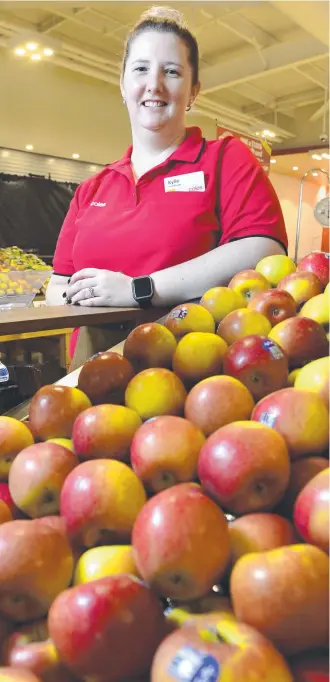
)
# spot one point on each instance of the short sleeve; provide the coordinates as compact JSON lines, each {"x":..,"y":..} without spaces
{"x":249,"y":206}
{"x":62,"y":261}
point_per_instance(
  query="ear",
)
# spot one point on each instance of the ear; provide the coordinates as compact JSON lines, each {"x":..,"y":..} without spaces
{"x":194,"y":91}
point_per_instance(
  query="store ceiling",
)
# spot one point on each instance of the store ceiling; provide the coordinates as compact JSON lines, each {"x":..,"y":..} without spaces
{"x":296,"y":165}
{"x":264,"y":65}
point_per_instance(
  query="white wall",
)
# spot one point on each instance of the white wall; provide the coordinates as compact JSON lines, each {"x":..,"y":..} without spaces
{"x":287,"y":189}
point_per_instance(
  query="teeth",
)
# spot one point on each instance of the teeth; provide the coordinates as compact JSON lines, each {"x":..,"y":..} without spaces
{"x":154,"y":104}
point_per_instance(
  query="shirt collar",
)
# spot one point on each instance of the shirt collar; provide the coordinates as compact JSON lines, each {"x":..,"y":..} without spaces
{"x":188,"y":151}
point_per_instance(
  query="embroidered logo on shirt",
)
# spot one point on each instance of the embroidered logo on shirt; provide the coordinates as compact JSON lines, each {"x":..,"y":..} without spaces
{"x":100,"y":204}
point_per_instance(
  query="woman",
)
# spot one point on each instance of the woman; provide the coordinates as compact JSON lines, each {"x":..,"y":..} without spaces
{"x":126,"y":222}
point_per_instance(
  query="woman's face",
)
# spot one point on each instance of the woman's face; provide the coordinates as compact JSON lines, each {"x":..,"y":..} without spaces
{"x":157,"y":83}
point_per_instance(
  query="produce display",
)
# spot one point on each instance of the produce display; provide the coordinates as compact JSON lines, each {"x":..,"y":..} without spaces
{"x":167,"y":520}
{"x":21,"y":273}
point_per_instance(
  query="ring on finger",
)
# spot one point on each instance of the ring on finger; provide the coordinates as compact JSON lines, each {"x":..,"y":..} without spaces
{"x":91,"y":291}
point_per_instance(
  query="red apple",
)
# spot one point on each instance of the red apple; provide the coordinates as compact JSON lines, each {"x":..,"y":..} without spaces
{"x":181,"y":542}
{"x":107,"y":630}
{"x":100,"y":500}
{"x":318,"y":263}
{"x":300,"y":416}
{"x":274,"y":304}
{"x":248,"y":283}
{"x":36,"y":565}
{"x":302,"y":471}
{"x":104,"y":377}
{"x":165,"y":451}
{"x":311,"y":511}
{"x":260,"y":532}
{"x":302,"y":339}
{"x":259,"y":363}
{"x":284,"y":593}
{"x":150,"y":345}
{"x":245,"y":469}
{"x":14,"y":436}
{"x":217,"y":401}
{"x":301,"y":285}
{"x":54,"y":408}
{"x":37,"y":475}
{"x":243,"y":322}
{"x":105,"y":431}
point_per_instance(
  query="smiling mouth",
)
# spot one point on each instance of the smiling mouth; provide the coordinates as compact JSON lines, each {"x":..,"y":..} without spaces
{"x":152,"y":104}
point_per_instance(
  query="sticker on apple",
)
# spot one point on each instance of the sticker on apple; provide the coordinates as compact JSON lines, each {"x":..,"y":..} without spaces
{"x":273,"y":349}
{"x":178,"y":314}
{"x":191,"y":665}
{"x":268,"y":418}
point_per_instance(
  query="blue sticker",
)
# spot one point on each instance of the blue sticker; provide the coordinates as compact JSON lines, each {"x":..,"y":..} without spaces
{"x":191,"y":665}
{"x":273,"y":348}
{"x":268,"y":418}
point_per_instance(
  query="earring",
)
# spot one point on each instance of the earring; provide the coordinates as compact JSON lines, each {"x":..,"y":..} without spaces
{"x":189,"y":106}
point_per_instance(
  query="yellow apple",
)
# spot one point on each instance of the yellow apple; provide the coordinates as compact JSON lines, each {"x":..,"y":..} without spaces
{"x":65,"y":442}
{"x":100,"y":562}
{"x":315,"y":377}
{"x":274,"y":268}
{"x":293,"y":375}
{"x":318,"y":309}
{"x":220,"y":301}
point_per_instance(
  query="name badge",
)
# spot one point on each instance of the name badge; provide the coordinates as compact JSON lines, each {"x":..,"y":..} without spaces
{"x":190,"y":182}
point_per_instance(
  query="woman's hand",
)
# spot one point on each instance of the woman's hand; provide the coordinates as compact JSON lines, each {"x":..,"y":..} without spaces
{"x":94,"y":287}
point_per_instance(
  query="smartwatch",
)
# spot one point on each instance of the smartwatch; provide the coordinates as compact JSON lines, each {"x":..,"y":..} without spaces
{"x":143,"y":290}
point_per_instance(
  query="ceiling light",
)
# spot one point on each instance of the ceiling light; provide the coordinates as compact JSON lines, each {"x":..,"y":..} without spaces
{"x":92,"y":168}
{"x":317,"y":157}
{"x":31,"y":46}
{"x":295,"y":168}
{"x":268,"y":133}
{"x":20,"y":51}
{"x":4,"y":153}
{"x":75,"y":156}
{"x":315,"y":175}
{"x":36,"y":57}
{"x":325,"y":156}
{"x":273,"y":161}
{"x":29,"y":147}
{"x":50,"y":160}
{"x":48,"y":52}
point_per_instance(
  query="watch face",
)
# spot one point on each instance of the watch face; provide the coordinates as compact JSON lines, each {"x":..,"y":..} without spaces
{"x":143,"y":288}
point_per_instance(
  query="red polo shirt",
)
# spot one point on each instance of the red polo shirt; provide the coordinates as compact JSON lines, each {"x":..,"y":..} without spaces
{"x":138,"y":228}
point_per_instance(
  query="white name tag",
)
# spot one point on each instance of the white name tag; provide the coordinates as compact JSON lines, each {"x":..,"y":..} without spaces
{"x":190,"y":182}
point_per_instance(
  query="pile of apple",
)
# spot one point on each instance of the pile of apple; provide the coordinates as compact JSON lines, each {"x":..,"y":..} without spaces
{"x":168,"y":519}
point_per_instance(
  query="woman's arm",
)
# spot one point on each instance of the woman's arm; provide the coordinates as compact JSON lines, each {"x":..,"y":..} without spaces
{"x":191,"y":279}
{"x":57,"y":286}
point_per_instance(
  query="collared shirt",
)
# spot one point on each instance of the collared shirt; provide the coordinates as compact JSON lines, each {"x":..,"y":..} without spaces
{"x":138,"y":227}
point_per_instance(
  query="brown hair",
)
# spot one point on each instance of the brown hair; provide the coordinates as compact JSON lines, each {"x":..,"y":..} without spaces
{"x":167,"y":20}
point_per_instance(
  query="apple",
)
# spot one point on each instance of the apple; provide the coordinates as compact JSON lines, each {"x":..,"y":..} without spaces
{"x":104,"y":377}
{"x":25,"y":650}
{"x":311,"y":511}
{"x":316,"y":262}
{"x":197,"y":356}
{"x":274,"y":304}
{"x":275,"y":268}
{"x":108,"y":629}
{"x":165,"y":451}
{"x":248,"y":283}
{"x":181,"y":542}
{"x":217,"y":401}
{"x":189,"y":317}
{"x":259,"y":363}
{"x":5,"y":513}
{"x":284,"y":594}
{"x":36,"y":565}
{"x":100,"y":500}
{"x":310,"y":667}
{"x":54,"y":408}
{"x":260,"y":532}
{"x":14,"y":436}
{"x":37,"y":475}
{"x":220,"y":301}
{"x":243,"y":322}
{"x":315,"y":377}
{"x":302,"y":286}
{"x":302,"y":339}
{"x":244,"y":468}
{"x":317,"y":308}
{"x":293,"y":375}
{"x":6,"y":497}
{"x":302,"y":471}
{"x":300,"y":416}
{"x":150,"y":345}
{"x":100,"y":562}
{"x":8,"y":674}
{"x":155,"y":392}
{"x":105,"y":431}
{"x":225,"y":650}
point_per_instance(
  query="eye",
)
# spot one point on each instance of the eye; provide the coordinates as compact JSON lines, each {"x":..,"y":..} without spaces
{"x":140,"y":68}
{"x":172,"y":72}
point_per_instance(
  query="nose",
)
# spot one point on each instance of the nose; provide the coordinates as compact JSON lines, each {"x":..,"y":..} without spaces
{"x":155,"y":80}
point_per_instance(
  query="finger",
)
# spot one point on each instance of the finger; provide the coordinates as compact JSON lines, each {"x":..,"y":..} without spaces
{"x":91,"y":302}
{"x":74,"y":288}
{"x":84,"y":294}
{"x":82,"y":274}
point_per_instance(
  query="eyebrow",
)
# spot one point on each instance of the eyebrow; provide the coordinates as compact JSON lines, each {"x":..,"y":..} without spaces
{"x":146,"y":61}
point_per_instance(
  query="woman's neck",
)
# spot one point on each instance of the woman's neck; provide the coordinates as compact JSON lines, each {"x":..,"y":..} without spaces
{"x":152,"y":149}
